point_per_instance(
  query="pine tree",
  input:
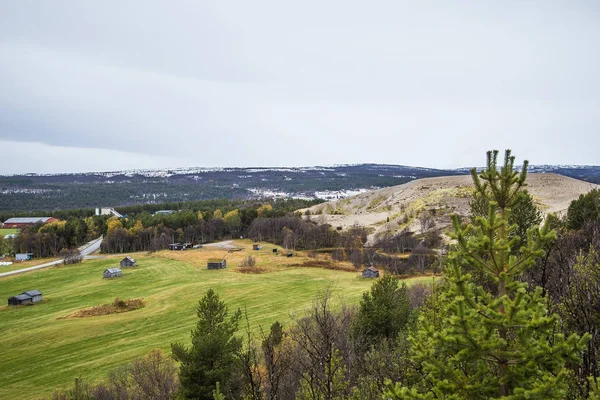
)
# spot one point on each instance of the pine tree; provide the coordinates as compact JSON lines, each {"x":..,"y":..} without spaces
{"x":498,"y":344}
{"x":384,"y":310}
{"x":212,"y":356}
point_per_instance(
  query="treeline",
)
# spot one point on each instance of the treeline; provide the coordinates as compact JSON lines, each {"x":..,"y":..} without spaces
{"x":280,"y":207}
{"x":48,"y":240}
{"x":216,"y":220}
{"x":196,"y":222}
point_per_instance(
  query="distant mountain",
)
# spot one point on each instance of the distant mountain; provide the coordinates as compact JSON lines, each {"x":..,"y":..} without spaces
{"x":31,"y":192}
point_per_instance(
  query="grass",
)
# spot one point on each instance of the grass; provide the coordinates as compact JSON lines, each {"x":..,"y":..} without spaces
{"x":42,"y":350}
{"x":376,"y":202}
{"x":8,"y":231}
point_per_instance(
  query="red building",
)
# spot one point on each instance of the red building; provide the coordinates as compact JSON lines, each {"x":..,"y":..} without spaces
{"x":24,"y":222}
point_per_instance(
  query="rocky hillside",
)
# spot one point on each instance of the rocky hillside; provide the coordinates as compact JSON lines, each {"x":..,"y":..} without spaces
{"x":394,"y":208}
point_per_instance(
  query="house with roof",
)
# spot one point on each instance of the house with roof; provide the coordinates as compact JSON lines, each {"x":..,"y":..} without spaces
{"x":112,"y":272}
{"x":216,"y":263}
{"x":128,"y":262}
{"x":164,"y":212}
{"x":23,"y":256}
{"x":370,"y":272}
{"x":24,"y":222}
{"x":29,"y":297}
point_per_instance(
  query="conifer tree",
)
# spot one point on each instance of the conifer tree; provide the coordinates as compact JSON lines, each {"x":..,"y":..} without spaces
{"x":212,"y":356}
{"x":499,"y":344}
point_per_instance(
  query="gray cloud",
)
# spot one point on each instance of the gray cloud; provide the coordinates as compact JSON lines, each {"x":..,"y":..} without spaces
{"x":276,"y":83}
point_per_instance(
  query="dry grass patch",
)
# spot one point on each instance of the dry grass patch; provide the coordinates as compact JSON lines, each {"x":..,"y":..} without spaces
{"x":116,"y":307}
{"x":326,"y":264}
{"x":251,"y":270}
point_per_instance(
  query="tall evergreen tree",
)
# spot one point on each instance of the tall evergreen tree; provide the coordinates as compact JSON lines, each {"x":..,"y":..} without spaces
{"x":499,"y":344}
{"x":212,"y":356}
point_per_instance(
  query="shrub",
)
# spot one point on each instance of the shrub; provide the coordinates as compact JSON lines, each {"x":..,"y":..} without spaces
{"x":249,"y":261}
{"x":71,"y":256}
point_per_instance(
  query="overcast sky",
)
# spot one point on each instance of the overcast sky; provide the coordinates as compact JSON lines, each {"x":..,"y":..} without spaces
{"x":109,"y":85}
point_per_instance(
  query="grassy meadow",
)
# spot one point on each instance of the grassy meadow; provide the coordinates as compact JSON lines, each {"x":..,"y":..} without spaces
{"x":8,"y":231}
{"x":44,"y":349}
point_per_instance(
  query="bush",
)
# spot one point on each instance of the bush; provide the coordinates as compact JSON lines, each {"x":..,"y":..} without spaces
{"x":249,"y":261}
{"x":71,"y":256}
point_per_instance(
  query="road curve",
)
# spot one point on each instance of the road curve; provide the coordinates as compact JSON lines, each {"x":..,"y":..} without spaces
{"x":85,"y":250}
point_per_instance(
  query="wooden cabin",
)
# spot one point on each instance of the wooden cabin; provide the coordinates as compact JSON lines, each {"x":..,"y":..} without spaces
{"x":370,"y":272}
{"x":216,"y":263}
{"x":128,"y":262}
{"x":112,"y":272}
{"x":29,"y":297}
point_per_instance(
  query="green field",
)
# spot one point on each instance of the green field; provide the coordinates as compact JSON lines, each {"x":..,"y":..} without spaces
{"x":42,"y":351}
{"x":8,"y":231}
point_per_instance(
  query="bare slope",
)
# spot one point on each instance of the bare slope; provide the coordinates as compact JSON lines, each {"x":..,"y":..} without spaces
{"x":440,"y":196}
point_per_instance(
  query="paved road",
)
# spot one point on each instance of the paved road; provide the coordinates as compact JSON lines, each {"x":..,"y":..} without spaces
{"x":85,"y":250}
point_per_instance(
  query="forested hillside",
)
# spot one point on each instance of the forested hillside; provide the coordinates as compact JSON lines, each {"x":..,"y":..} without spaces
{"x":33,"y":192}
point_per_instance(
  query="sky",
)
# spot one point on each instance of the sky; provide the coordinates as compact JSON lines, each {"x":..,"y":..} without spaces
{"x":110,"y":85}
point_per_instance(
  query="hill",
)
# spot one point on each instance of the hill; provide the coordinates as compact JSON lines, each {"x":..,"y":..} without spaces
{"x":36,"y":192}
{"x":440,"y":197}
{"x":44,"y":347}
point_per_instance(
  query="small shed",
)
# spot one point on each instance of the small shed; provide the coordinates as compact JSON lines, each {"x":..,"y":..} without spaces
{"x":256,"y":246}
{"x":216,"y":263}
{"x":128,"y":262}
{"x":112,"y":272}
{"x":29,"y":297}
{"x":370,"y":272}
{"x":23,"y":256}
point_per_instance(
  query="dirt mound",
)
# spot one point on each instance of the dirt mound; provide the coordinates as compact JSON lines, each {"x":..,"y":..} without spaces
{"x":116,"y":307}
{"x":390,"y":209}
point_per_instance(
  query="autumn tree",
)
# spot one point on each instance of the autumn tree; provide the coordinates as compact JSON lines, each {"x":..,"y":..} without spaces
{"x":264,"y":211}
{"x":113,"y":223}
{"x":500,"y":344}
{"x":233,"y":221}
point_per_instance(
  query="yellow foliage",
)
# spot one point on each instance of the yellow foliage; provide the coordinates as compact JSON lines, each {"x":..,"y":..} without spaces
{"x":233,"y":219}
{"x":218,"y":214}
{"x":113,"y":223}
{"x":138,"y":227}
{"x":264,"y":210}
{"x":53,"y":226}
{"x":200,"y":216}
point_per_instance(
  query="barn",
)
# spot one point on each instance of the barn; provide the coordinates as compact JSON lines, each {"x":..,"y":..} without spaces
{"x":128,"y":262}
{"x":370,"y":272}
{"x":24,"y":222}
{"x":112,"y":272}
{"x":216,"y":263}
{"x":29,"y":297}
